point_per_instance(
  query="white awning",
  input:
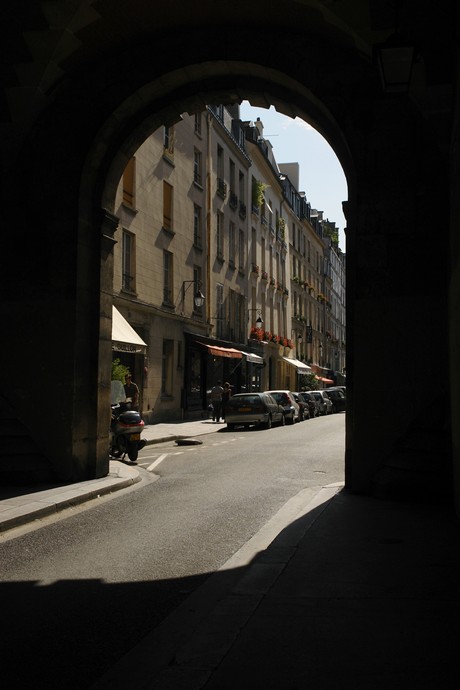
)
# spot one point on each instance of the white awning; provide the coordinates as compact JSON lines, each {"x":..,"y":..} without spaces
{"x":124,"y":337}
{"x":301,"y":367}
{"x":252,"y":357}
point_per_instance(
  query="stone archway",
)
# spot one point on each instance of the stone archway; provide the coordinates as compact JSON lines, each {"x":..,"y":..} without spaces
{"x":78,"y":149}
{"x":180,"y":95}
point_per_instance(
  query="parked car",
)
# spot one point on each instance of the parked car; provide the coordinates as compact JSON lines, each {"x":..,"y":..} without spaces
{"x":304,"y":409}
{"x":338,"y":399}
{"x":289,"y":404}
{"x":325,"y":404}
{"x":246,"y":409}
{"x":313,"y":404}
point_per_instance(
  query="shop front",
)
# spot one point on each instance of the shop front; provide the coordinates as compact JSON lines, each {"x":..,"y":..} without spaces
{"x":208,"y":361}
{"x":324,"y":376}
{"x":129,"y":348}
{"x":296,"y":369}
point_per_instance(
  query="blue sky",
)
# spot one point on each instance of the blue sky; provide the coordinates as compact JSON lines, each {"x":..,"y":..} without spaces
{"x":321,"y":175}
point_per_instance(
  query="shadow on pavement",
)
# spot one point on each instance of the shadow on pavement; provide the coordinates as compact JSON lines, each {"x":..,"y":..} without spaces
{"x":357,"y":593}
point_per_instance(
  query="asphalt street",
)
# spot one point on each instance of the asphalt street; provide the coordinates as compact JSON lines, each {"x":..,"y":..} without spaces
{"x":91,"y":584}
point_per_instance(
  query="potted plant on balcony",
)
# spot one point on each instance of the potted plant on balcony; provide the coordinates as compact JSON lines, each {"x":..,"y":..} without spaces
{"x":258,"y":192}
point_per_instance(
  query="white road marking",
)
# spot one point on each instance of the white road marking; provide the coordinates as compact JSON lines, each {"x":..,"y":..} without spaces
{"x":161,"y":457}
{"x":157,"y":462}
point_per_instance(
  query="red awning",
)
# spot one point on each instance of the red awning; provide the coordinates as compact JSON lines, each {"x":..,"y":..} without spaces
{"x":321,"y":378}
{"x":222,"y":351}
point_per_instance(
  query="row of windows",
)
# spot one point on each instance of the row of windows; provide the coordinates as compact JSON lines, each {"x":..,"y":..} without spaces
{"x":236,"y":252}
{"x":129,"y":272}
{"x":303,"y":273}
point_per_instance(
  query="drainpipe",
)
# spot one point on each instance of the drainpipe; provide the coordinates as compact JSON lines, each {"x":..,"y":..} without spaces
{"x":207,"y":280}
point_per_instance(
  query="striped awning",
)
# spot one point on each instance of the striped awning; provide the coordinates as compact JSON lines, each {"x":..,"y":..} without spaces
{"x":222,"y":351}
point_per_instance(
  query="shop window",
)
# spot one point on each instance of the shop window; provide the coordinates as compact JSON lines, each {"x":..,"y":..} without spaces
{"x":195,"y":374}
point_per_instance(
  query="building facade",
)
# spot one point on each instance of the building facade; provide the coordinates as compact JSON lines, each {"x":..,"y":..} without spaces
{"x":218,"y":266}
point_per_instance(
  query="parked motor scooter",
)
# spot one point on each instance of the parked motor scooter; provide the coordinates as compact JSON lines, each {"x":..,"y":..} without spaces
{"x":126,"y":426}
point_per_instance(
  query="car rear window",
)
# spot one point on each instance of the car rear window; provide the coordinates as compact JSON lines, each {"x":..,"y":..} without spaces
{"x":245,"y":400}
{"x":281,"y":398}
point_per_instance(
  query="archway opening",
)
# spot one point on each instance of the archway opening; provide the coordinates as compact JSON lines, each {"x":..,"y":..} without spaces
{"x":309,"y":328}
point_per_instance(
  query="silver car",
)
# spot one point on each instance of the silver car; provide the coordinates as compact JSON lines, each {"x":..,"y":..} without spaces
{"x":246,"y":409}
{"x":290,"y":406}
{"x":325,"y":404}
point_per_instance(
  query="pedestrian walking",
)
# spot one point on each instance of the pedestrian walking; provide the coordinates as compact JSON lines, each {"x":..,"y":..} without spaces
{"x":226,"y":395}
{"x":216,"y":401}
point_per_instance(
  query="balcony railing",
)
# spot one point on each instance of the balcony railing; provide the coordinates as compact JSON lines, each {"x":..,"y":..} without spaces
{"x":221,"y":188}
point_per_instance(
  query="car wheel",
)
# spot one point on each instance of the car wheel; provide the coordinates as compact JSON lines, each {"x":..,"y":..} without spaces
{"x":283,"y":420}
{"x":268,"y":423}
{"x":292,"y":419}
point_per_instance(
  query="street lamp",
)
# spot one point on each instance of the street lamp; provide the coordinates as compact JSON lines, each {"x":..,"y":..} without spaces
{"x":198,"y":297}
{"x":394,"y":59}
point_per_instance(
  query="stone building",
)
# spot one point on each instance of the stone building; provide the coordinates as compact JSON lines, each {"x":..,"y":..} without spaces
{"x":204,"y":210}
{"x":160,"y":258}
{"x":335,"y":268}
{"x":269,"y":310}
{"x":183,"y":212}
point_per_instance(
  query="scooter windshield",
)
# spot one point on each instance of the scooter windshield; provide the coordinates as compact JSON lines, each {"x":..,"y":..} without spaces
{"x":117,"y":393}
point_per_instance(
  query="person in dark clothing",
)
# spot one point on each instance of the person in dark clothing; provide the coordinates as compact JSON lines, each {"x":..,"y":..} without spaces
{"x":132,"y":391}
{"x":216,"y":401}
{"x":226,"y":395}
